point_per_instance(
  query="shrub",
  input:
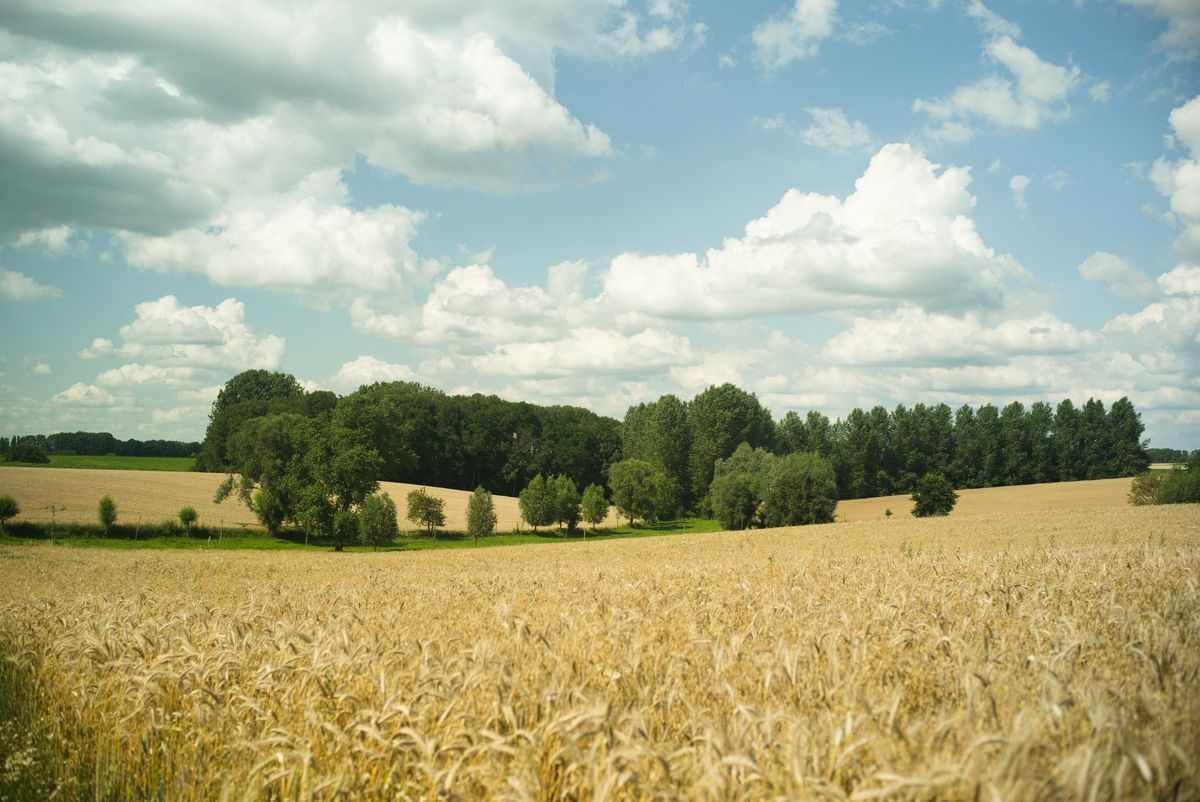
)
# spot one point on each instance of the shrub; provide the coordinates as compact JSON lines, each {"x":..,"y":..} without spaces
{"x":8,"y":509}
{"x":933,"y":495}
{"x":106,"y":511}
{"x":800,"y":489}
{"x":377,"y":521}
{"x":188,"y":517}
{"x":1145,"y":488}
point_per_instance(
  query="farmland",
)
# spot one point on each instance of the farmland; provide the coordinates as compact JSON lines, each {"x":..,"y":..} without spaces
{"x":111,"y":463}
{"x":152,"y":497}
{"x":985,"y":656}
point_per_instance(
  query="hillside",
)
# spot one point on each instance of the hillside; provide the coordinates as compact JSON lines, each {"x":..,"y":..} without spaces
{"x":152,"y":496}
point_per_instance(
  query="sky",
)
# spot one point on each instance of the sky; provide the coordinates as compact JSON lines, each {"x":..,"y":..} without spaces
{"x":595,"y":202}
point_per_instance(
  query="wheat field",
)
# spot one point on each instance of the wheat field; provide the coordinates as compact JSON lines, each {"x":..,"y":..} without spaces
{"x":153,"y":496}
{"x":992,"y":656}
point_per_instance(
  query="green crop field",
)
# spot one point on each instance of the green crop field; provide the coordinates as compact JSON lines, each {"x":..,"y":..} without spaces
{"x":112,"y":463}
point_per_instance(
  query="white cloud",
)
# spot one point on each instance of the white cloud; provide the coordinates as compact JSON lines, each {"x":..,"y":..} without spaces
{"x":1183,"y":23}
{"x":136,"y":374}
{"x":20,"y":287}
{"x":306,"y":241}
{"x":56,"y":241}
{"x":588,"y":351}
{"x":1121,"y":278}
{"x":40,"y":369}
{"x":904,"y":235}
{"x":168,"y":334}
{"x":912,"y":337}
{"x":1179,"y":180}
{"x":1182,"y":280}
{"x":127,"y":116}
{"x":831,"y":130}
{"x":368,"y":370}
{"x":85,"y":395}
{"x":1018,"y":184}
{"x":1037,"y":91}
{"x":1101,"y":91}
{"x":794,"y":34}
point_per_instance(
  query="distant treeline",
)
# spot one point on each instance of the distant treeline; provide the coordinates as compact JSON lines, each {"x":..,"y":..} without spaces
{"x":425,"y":436}
{"x":97,"y":444}
{"x":1169,"y":455}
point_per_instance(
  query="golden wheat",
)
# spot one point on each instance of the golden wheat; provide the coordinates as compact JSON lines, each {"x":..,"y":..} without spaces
{"x":1018,"y":656}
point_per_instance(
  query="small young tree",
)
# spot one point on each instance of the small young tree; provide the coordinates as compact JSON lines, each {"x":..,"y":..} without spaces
{"x":188,"y":517}
{"x":594,"y":506}
{"x":933,"y":495}
{"x":107,"y":513}
{"x":377,"y":521}
{"x":481,"y":514}
{"x":426,"y":510}
{"x":537,"y":503}
{"x":8,"y":509}
{"x":566,"y":502}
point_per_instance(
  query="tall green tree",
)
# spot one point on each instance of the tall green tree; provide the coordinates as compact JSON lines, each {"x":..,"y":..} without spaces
{"x":1014,"y":445}
{"x":1128,"y":453}
{"x":566,"y":501}
{"x":247,"y":395}
{"x":594,"y":506}
{"x":933,"y":495}
{"x":720,"y":418}
{"x":1068,"y":442}
{"x":632,"y":484}
{"x":1039,"y":424}
{"x":1095,"y":439}
{"x":537,"y":502}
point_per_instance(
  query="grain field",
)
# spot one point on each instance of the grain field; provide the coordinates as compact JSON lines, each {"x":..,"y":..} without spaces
{"x":1023,"y":655}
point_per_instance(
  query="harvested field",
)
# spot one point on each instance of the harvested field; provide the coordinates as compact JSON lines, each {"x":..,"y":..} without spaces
{"x":1018,"y":656}
{"x":154,"y":496}
{"x":150,"y":497}
{"x":1051,"y":497}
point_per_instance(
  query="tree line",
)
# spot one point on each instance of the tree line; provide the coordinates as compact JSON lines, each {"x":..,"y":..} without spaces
{"x":93,"y":444}
{"x":684,"y":455}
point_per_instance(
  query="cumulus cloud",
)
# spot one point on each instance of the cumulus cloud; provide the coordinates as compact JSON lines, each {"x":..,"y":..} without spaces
{"x":904,"y":235}
{"x":81,"y":394}
{"x":913,"y":337}
{"x":793,"y":34}
{"x":166,"y":333}
{"x":831,"y":130}
{"x":20,"y":287}
{"x":1121,"y":278}
{"x":1182,"y":280}
{"x":306,"y":241}
{"x":368,"y":370}
{"x":1179,"y":180}
{"x":1032,"y":93}
{"x":588,"y":351}
{"x":129,"y":117}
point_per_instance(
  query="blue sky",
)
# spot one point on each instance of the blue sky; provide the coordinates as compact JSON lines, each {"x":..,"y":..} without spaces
{"x":595,"y":202}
